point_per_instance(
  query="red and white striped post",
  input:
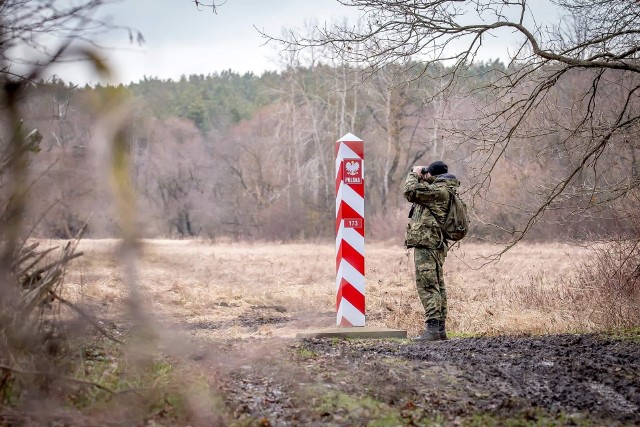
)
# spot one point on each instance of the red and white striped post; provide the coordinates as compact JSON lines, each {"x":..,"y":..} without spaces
{"x":350,"y":301}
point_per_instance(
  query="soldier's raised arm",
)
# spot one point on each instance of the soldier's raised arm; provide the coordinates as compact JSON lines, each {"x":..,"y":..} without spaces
{"x":417,"y":188}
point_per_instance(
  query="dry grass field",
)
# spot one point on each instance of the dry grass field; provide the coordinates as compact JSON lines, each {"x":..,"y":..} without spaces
{"x":204,"y":335}
{"x":243,"y":290}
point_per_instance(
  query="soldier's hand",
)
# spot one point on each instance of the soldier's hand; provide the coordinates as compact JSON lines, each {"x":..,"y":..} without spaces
{"x":417,"y":170}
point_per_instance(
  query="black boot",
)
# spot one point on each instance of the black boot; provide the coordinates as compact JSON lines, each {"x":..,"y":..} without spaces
{"x":432,"y":331}
{"x":442,"y":330}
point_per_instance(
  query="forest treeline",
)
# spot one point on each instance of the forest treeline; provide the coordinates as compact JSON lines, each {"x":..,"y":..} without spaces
{"x":242,"y":156}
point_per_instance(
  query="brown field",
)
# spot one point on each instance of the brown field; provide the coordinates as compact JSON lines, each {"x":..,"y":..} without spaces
{"x":243,"y":290}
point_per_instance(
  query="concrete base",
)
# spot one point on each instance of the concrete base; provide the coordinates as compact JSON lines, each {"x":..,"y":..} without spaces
{"x":353,"y":332}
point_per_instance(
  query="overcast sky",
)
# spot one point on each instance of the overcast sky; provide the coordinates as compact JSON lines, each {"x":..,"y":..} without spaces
{"x":180,"y":39}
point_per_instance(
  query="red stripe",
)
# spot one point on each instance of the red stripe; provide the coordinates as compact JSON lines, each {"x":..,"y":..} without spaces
{"x":358,"y":188}
{"x":350,"y":255}
{"x":346,"y":211}
{"x":356,"y":146}
{"x":351,"y":294}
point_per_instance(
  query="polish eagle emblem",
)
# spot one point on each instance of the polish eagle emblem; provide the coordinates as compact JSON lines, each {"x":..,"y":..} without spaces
{"x":353,"y":167}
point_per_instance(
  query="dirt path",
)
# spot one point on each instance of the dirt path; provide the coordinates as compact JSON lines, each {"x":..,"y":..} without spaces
{"x":552,"y":380}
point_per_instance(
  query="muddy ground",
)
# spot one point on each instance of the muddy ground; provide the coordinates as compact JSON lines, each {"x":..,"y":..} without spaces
{"x":551,"y":380}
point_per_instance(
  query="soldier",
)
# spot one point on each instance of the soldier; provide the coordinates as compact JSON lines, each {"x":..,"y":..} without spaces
{"x":428,"y":189}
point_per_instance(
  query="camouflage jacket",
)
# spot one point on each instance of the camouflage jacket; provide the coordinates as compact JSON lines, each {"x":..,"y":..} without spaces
{"x":431,"y":202}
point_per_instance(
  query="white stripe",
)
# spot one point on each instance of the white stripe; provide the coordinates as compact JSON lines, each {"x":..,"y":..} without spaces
{"x":349,"y":312}
{"x":349,"y":138}
{"x":347,"y":272}
{"x":355,"y":239}
{"x":351,"y":236}
{"x":344,"y":152}
{"x":351,"y":198}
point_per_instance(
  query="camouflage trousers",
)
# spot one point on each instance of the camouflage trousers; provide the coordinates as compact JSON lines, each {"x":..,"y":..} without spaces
{"x":430,"y":282}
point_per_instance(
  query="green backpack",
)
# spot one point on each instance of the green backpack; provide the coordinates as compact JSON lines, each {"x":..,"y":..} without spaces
{"x":456,"y":223}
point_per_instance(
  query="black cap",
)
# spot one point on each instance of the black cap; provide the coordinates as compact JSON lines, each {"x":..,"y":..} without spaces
{"x":437,"y":168}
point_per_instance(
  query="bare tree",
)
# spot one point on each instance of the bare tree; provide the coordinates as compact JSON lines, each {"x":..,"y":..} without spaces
{"x":524,"y":103}
{"x":171,"y":161}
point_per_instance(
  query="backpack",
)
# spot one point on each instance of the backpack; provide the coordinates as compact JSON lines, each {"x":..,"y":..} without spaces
{"x":456,"y":223}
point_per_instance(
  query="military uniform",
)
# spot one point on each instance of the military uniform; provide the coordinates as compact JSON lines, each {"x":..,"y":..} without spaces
{"x":431,"y":201}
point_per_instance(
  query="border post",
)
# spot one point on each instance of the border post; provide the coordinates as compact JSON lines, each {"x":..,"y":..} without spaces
{"x":350,"y":231}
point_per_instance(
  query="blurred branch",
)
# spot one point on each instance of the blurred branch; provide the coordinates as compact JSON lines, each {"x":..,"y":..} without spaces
{"x":86,"y":317}
{"x":68,"y":379}
{"x":31,"y":28}
{"x":212,"y":5}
